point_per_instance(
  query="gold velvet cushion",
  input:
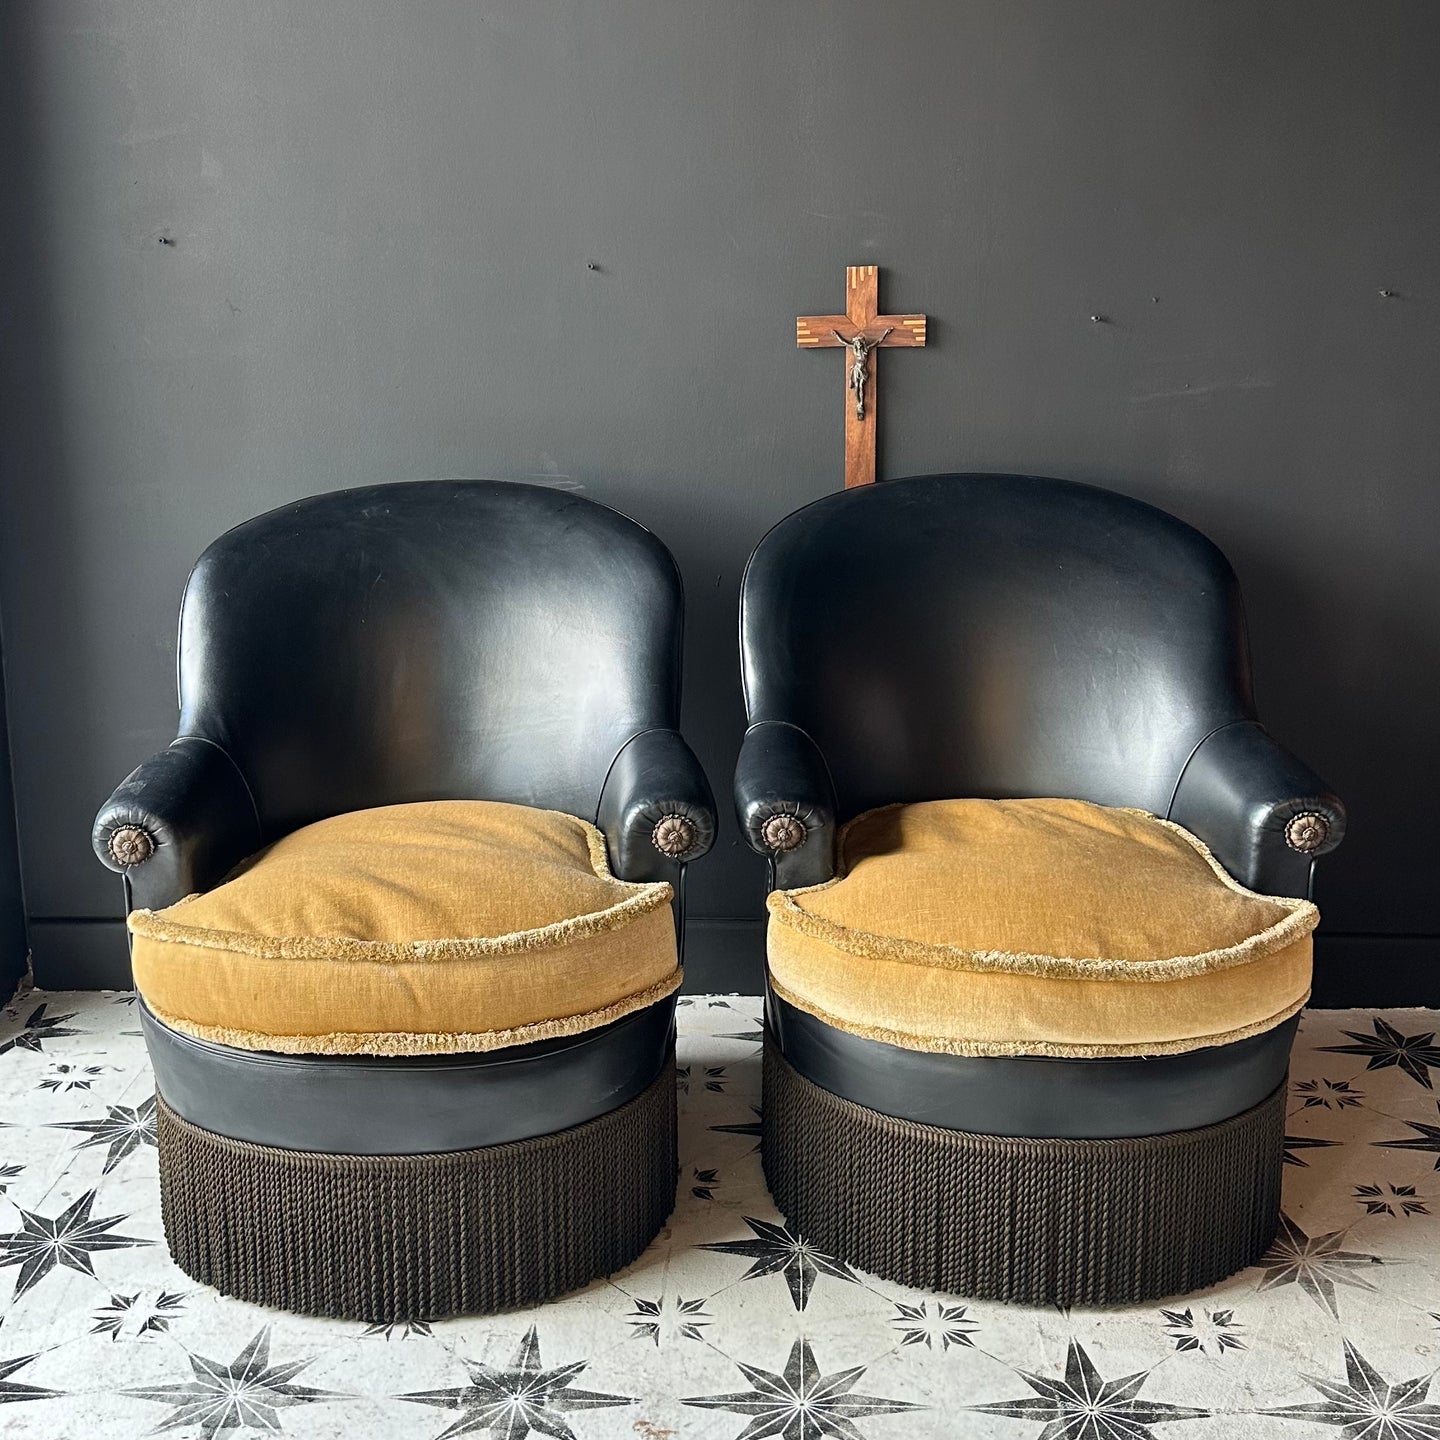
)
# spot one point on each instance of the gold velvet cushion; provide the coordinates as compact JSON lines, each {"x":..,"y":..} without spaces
{"x":1037,"y":927}
{"x":433,"y":928}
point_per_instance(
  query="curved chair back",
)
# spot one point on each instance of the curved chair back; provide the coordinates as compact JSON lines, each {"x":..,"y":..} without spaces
{"x":437,"y":639}
{"x":994,"y":636}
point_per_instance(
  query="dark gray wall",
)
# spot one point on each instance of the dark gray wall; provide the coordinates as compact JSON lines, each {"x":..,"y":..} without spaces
{"x":378,"y":222}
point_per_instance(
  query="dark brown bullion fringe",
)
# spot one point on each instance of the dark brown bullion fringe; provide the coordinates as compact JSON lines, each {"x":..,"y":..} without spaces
{"x":1062,"y":1222}
{"x":386,"y":1237}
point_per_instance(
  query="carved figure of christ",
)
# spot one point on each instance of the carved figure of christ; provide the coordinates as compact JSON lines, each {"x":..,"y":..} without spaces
{"x":861,"y":331}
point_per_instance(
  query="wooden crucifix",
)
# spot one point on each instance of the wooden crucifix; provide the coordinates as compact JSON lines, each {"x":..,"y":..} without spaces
{"x":860,"y":332}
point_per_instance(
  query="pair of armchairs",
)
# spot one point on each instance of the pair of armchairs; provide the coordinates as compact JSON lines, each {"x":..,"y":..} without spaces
{"x":401,"y":895}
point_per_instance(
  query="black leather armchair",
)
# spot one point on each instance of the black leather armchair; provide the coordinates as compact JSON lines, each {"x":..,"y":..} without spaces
{"x":376,"y":647}
{"x":1003,"y":637}
{"x":432,"y":640}
{"x":1008,"y":635}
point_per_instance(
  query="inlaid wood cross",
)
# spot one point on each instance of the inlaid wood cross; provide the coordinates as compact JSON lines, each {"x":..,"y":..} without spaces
{"x":860,"y":331}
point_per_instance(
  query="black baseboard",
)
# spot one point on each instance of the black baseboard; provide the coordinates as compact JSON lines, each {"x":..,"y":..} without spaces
{"x":727,"y":957}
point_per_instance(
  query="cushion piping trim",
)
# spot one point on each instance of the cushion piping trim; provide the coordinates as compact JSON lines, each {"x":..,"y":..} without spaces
{"x":412,"y":1042}
{"x":1051,"y":1049}
{"x":865,"y":944}
{"x":641,"y":900}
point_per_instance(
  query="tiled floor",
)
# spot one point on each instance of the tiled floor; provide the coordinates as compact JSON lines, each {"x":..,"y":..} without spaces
{"x":729,"y":1326}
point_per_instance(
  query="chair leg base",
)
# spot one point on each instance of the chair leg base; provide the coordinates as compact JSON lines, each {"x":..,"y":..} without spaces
{"x":1055,"y":1222}
{"x":386,"y":1237}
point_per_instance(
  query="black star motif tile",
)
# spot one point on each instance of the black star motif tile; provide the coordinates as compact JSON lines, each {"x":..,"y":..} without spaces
{"x":249,"y":1391}
{"x":933,"y":1324}
{"x":707,"y":1077}
{"x":1211,"y":1332}
{"x":519,"y":1399}
{"x":38,"y":1028}
{"x":1328,"y":1094}
{"x":13,"y":1390}
{"x":1083,"y":1406}
{"x":777,"y":1249}
{"x":399,"y":1329}
{"x":1365,"y":1406}
{"x":63,"y":1077}
{"x":135,"y":1314}
{"x":1294,"y":1143}
{"x":69,"y":1239}
{"x":1317,"y":1263}
{"x":799,"y":1403}
{"x":1393,"y":1200}
{"x":669,"y":1318}
{"x":749,"y":1127}
{"x":1414,"y":1054}
{"x":122,"y":1131}
{"x":1426,"y":1138}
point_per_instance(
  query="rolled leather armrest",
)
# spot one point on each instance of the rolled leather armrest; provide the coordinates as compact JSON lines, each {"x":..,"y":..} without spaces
{"x":1264,"y":814}
{"x":178,"y":824}
{"x":785,"y":802}
{"x":656,"y":810}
